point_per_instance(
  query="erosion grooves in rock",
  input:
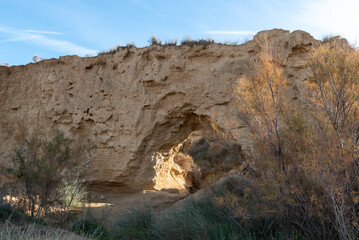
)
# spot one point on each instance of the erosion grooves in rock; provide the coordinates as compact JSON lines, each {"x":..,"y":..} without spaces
{"x":138,"y":105}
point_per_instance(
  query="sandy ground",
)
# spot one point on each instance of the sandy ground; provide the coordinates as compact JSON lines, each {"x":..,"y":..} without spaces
{"x":108,"y":206}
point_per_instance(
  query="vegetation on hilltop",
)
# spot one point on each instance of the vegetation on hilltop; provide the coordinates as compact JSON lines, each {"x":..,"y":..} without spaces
{"x":154,"y":41}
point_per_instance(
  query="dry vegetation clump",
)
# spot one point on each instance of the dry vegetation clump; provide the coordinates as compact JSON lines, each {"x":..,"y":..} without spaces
{"x":190,"y":42}
{"x":154,"y":41}
{"x":187,"y":42}
{"x":110,"y":51}
{"x":118,"y":48}
{"x":9,"y":231}
{"x":170,"y":43}
{"x":306,"y":161}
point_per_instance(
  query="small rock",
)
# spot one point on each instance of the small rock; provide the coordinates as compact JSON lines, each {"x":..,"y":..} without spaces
{"x":102,"y":197}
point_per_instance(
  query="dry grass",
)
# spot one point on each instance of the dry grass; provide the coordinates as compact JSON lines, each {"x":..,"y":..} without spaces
{"x":9,"y":231}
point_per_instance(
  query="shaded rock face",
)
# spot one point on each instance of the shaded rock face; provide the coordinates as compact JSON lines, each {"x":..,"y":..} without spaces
{"x":138,"y":105}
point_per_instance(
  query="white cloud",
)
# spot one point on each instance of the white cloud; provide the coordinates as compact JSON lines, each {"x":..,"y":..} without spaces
{"x":331,"y":17}
{"x":39,"y":38}
{"x":42,"y":32}
{"x":221,"y":32}
{"x":19,"y":37}
{"x":64,"y":46}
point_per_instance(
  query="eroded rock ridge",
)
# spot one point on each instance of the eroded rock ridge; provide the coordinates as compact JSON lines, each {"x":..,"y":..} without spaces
{"x":138,"y":105}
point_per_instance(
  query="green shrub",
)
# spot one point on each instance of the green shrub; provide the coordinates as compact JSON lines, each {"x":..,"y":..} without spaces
{"x":42,"y":166}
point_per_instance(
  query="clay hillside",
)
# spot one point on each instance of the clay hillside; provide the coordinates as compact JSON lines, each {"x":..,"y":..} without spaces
{"x":138,"y":105}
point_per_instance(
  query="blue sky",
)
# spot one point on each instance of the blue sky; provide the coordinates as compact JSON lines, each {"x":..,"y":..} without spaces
{"x":50,"y":29}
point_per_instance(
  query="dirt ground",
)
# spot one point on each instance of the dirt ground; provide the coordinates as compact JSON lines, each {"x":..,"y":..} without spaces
{"x":108,"y":206}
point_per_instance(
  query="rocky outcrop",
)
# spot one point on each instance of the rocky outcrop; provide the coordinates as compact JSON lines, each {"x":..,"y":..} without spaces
{"x":138,"y":105}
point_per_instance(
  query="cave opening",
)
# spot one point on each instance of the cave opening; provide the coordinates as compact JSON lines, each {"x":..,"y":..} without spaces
{"x":199,"y":158}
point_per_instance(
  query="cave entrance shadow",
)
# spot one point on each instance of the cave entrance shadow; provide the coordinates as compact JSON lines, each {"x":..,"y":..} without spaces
{"x":170,"y":172}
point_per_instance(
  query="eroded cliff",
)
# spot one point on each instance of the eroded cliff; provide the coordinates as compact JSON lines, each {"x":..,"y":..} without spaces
{"x":138,"y":105}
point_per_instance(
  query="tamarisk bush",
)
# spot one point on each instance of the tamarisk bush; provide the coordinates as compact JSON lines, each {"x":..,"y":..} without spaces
{"x":47,"y":170}
{"x":305,"y":161}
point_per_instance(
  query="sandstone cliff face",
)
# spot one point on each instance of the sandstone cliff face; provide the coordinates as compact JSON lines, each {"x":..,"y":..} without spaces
{"x":138,"y":105}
